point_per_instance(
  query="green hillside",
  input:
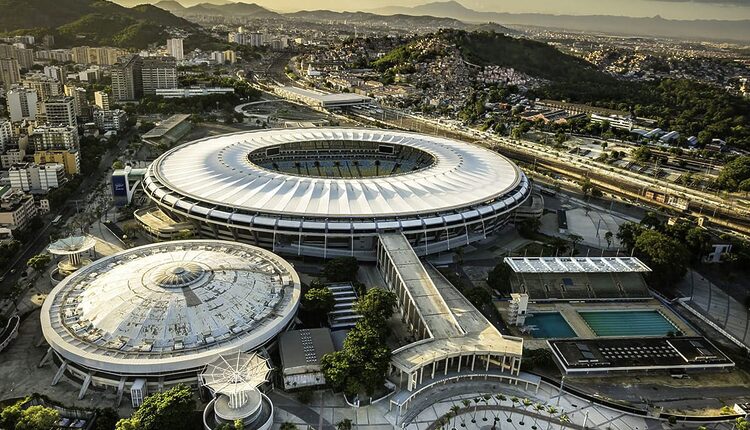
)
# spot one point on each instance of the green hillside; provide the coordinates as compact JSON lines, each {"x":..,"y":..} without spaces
{"x":94,"y":22}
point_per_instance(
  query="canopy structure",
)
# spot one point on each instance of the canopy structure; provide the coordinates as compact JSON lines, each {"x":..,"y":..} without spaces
{"x":72,"y":247}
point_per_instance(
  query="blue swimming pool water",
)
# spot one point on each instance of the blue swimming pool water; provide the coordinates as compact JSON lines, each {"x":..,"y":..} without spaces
{"x":549,"y":325}
{"x":627,"y":323}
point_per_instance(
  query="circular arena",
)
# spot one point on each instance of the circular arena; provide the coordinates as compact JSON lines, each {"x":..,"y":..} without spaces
{"x":328,"y":192}
{"x":159,"y":313}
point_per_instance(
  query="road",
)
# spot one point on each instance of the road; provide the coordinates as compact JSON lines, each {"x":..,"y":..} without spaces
{"x":41,"y":239}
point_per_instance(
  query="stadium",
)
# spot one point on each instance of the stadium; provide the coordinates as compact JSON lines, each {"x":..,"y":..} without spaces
{"x":155,"y":315}
{"x":328,"y":192}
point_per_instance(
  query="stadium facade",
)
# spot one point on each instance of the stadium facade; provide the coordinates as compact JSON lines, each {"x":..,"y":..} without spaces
{"x":328,"y":192}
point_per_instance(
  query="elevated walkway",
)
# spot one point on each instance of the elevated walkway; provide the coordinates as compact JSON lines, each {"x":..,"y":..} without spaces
{"x":452,"y":333}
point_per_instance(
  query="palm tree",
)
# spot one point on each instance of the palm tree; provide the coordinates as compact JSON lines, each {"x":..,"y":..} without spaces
{"x":466,"y":403}
{"x":474,"y":415}
{"x":538,"y":408}
{"x":454,"y":412}
{"x":486,"y":398}
{"x":551,"y":410}
{"x":513,"y":400}
{"x":608,"y":237}
{"x":500,"y":398}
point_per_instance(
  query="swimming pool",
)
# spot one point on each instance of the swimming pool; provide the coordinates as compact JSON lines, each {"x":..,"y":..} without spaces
{"x":628,"y":323}
{"x":549,"y":325}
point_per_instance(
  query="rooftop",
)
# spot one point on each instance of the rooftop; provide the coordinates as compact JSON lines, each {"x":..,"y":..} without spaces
{"x":171,"y":305}
{"x":587,"y":355}
{"x":217,"y":171}
{"x":453,"y":322}
{"x":576,"y":265}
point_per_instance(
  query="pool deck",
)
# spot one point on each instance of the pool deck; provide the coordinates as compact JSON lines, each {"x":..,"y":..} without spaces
{"x":569,"y":311}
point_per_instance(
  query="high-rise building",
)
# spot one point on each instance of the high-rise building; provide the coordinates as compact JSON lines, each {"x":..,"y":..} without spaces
{"x":60,"y":111}
{"x":49,"y":137}
{"x":61,"y":55}
{"x":127,"y":79}
{"x":25,"y":56}
{"x":45,"y":86}
{"x":218,"y":57}
{"x":230,"y":56}
{"x":101,"y":99}
{"x":10,"y":73}
{"x":69,"y":158}
{"x":55,"y":72}
{"x":34,"y":178}
{"x":6,"y":133}
{"x":22,"y":104}
{"x":80,"y":54}
{"x":158,"y":73}
{"x":102,"y":55}
{"x":111,"y":120}
{"x":174,"y":48}
{"x":78,"y":95}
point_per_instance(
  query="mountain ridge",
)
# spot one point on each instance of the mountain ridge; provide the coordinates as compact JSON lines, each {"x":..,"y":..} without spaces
{"x":610,"y":24}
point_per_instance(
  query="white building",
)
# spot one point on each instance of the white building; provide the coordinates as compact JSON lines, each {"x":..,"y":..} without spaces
{"x":22,"y":104}
{"x":111,"y":120}
{"x":174,"y":48}
{"x":101,"y":99}
{"x":55,"y":72}
{"x":30,"y":177}
{"x":174,"y":93}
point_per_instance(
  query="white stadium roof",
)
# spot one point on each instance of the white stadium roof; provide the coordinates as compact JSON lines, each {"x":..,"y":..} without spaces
{"x":171,"y":306}
{"x":217,"y":171}
{"x":576,"y":265}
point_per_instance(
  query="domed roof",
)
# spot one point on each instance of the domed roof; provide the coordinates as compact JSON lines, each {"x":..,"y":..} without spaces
{"x":176,"y":304}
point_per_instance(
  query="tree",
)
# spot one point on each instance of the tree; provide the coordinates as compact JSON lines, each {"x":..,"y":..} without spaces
{"x":362,"y":364}
{"x":288,"y":426}
{"x":574,"y":240}
{"x":628,"y":233}
{"x":641,"y":154}
{"x":499,"y":278}
{"x":341,"y":269}
{"x":319,"y":300}
{"x":377,"y":305}
{"x":586,"y":186}
{"x":39,"y":262}
{"x":166,"y":410}
{"x":118,"y":165}
{"x":106,"y":419}
{"x":666,"y":257}
{"x":37,"y":418}
{"x":345,"y":424}
{"x":529,"y":227}
{"x":478,"y":296}
{"x":734,"y":174}
{"x":608,"y":237}
{"x":651,"y":220}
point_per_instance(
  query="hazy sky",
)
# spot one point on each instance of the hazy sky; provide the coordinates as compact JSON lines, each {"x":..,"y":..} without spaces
{"x":675,"y":9}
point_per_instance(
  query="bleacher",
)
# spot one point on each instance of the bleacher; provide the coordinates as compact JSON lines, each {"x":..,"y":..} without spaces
{"x":565,"y":279}
{"x":342,"y":161}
